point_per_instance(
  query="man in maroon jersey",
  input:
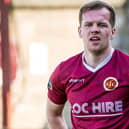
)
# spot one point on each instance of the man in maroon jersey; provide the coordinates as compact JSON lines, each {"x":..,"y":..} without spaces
{"x":95,"y":81}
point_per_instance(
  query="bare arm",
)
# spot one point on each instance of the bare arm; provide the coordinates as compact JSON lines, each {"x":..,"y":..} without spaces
{"x":54,"y":116}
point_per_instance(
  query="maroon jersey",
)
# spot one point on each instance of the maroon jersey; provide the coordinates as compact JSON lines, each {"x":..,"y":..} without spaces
{"x":99,"y":98}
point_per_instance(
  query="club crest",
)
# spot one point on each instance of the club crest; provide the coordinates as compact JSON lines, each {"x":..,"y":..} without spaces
{"x":110,"y":83}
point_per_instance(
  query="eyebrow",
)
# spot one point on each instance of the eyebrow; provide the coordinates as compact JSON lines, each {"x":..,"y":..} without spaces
{"x":101,"y":22}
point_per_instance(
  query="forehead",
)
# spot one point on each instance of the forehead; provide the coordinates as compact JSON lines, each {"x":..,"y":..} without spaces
{"x":96,"y":15}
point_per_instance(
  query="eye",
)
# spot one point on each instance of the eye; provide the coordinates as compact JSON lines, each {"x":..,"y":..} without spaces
{"x":88,"y":24}
{"x":102,"y":25}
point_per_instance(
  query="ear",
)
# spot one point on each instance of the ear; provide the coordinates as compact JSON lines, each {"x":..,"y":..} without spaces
{"x":79,"y":32}
{"x":113,"y":33}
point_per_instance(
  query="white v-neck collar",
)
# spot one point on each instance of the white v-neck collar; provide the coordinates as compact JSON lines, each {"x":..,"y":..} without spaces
{"x":106,"y":60}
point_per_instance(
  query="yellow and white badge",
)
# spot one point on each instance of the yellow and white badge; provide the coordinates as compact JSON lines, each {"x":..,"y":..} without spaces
{"x":110,"y":83}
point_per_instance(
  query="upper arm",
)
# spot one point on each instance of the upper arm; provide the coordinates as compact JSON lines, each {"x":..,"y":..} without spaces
{"x":56,"y":88}
{"x":54,"y":115}
{"x":54,"y":109}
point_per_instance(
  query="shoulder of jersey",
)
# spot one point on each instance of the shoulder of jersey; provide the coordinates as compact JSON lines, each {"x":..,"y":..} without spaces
{"x":72,"y":59}
{"x":124,"y":55}
{"x":68,"y":66}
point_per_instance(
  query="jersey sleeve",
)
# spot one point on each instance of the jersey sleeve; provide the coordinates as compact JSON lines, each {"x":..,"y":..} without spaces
{"x":56,"y":88}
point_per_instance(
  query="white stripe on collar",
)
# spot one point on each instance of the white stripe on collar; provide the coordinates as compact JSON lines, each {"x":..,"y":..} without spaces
{"x":106,"y":60}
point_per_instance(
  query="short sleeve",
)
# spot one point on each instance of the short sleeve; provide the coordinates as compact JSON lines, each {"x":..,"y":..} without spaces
{"x":56,"y":89}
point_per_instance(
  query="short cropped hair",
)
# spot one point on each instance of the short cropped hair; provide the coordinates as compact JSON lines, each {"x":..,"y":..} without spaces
{"x":98,"y":5}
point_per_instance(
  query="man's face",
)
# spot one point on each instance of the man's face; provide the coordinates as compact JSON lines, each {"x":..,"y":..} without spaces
{"x":96,"y":30}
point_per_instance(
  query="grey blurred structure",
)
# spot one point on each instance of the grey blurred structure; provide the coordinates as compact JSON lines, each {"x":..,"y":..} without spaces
{"x":51,"y":24}
{"x":122,"y":38}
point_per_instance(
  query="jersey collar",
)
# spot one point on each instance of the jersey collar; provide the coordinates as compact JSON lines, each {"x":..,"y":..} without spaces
{"x":103,"y":63}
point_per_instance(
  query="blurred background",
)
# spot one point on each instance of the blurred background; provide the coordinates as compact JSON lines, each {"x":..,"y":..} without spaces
{"x":41,"y":34}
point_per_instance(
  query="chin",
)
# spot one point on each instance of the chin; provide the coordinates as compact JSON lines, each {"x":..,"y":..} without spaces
{"x":97,"y":51}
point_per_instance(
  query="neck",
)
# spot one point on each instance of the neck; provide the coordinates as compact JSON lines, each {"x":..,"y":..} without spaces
{"x":94,"y":59}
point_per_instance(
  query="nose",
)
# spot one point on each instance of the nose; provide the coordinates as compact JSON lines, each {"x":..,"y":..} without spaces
{"x":95,"y":29}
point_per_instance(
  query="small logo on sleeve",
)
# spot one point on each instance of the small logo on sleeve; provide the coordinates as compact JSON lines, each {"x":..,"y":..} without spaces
{"x":50,"y":85}
{"x":110,"y":83}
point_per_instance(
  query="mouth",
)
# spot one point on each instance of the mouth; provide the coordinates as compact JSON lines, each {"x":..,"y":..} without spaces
{"x":95,"y":38}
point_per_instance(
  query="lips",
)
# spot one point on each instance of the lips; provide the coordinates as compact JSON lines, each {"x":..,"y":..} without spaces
{"x":95,"y":38}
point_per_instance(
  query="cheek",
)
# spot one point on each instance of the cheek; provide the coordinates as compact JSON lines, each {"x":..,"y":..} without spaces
{"x":85,"y":34}
{"x":107,"y":35}
{"x":110,"y":34}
